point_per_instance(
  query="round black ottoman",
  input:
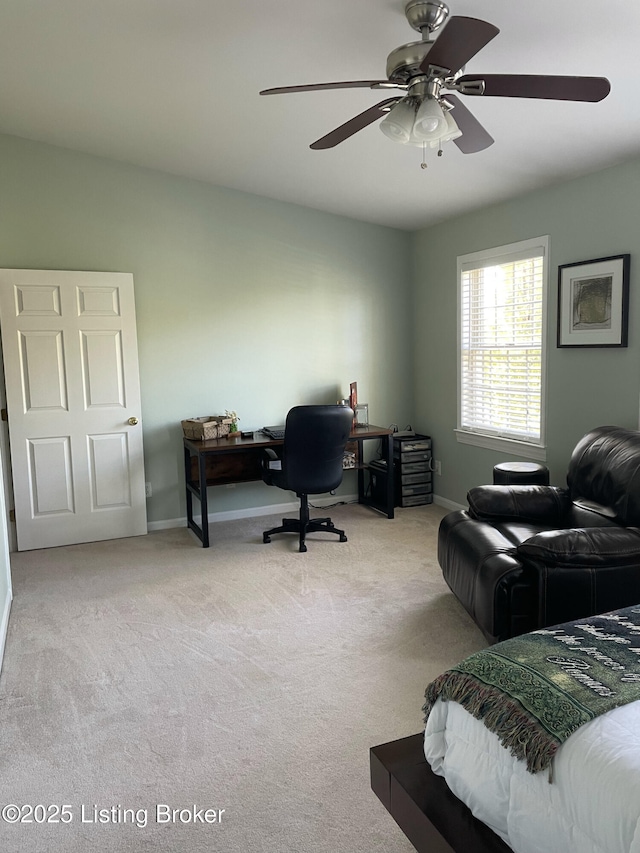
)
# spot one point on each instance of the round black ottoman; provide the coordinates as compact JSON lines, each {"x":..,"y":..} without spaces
{"x":520,"y":474}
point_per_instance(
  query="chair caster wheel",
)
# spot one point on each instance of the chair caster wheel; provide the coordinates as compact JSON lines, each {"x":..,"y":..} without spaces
{"x":343,"y":538}
{"x":266,"y":539}
{"x":303,"y":548}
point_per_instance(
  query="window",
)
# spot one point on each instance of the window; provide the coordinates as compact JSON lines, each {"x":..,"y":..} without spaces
{"x":502,"y":300}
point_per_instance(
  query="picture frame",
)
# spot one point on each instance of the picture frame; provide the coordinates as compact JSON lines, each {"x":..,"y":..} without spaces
{"x":593,"y":302}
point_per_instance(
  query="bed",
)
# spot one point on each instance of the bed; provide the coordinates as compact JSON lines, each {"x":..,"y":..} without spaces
{"x":455,"y":787}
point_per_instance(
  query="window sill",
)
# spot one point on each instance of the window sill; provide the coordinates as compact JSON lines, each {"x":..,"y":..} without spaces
{"x":505,"y":445}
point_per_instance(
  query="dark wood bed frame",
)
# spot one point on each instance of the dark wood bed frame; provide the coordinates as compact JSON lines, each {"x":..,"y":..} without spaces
{"x":432,"y":818}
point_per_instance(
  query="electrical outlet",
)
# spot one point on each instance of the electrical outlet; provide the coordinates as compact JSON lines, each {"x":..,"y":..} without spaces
{"x":437,"y":466}
{"x":148,"y":490}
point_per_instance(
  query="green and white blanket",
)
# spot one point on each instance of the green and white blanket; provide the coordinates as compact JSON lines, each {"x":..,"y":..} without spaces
{"x":535,"y":690}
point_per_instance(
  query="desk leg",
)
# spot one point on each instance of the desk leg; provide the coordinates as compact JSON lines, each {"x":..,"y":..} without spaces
{"x":361,"y":494}
{"x":202,"y":532}
{"x":187,"y":477}
{"x":388,"y":455}
{"x":204,"y":506}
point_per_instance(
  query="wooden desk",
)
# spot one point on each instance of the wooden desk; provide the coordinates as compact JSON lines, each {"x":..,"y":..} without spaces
{"x":219,"y":461}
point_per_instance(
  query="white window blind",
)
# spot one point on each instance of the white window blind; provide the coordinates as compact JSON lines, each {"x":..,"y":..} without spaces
{"x":501,"y":343}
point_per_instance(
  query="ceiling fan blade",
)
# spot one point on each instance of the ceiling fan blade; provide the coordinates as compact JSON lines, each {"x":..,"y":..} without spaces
{"x":348,"y":84}
{"x":354,"y":125}
{"x":474,"y":137}
{"x":458,"y":42}
{"x":591,"y":89}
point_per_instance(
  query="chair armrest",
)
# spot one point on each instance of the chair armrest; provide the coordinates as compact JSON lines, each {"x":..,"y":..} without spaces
{"x":270,"y":456}
{"x":591,"y":547}
{"x":527,"y":503}
{"x":271,"y":463}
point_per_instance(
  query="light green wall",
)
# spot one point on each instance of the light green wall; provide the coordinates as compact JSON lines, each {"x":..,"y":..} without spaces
{"x":591,"y":217}
{"x":242,"y":302}
{"x":256,"y":305}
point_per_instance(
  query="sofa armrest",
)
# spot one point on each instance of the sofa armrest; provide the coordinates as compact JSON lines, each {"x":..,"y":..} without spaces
{"x":526,"y":503}
{"x":591,"y":547}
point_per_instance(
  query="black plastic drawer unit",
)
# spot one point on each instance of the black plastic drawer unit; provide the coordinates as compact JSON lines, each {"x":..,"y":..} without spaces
{"x":412,"y":470}
{"x":409,"y":479}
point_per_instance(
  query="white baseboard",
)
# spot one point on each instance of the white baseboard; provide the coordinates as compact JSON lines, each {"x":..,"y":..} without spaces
{"x":276,"y":509}
{"x":252,"y":512}
{"x":446,"y":503}
{"x":4,"y":624}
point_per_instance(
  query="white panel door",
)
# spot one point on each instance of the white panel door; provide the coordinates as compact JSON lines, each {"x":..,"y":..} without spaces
{"x":73,"y":398}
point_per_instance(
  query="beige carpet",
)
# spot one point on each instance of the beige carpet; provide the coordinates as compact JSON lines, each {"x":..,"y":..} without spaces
{"x":244,"y":677}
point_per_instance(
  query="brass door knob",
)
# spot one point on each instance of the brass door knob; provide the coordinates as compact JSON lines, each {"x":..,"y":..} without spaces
{"x":133,"y":421}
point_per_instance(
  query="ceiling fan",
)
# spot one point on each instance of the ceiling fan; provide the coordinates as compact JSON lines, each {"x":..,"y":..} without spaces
{"x":426,"y":71}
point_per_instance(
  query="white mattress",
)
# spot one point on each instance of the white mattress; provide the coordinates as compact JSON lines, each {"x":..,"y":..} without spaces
{"x":591,"y":806}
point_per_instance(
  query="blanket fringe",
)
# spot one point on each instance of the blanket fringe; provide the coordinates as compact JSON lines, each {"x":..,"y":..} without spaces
{"x":517,"y":731}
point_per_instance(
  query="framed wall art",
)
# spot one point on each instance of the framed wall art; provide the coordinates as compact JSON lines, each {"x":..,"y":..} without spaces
{"x":593,"y":299}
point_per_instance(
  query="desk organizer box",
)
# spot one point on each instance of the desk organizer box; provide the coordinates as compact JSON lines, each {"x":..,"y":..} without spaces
{"x":209,"y":426}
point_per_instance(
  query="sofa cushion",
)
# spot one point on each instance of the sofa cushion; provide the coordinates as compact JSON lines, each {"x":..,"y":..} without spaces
{"x":589,"y":547}
{"x":605,"y":468}
{"x":528,"y":503}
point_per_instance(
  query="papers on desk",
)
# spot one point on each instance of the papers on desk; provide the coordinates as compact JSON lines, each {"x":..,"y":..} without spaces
{"x":275,"y":464}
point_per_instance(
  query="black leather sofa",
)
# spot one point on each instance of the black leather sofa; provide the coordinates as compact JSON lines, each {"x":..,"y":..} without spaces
{"x":529,"y":556}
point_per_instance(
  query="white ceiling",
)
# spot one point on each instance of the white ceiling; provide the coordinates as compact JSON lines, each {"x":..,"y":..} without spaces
{"x":173,"y":85}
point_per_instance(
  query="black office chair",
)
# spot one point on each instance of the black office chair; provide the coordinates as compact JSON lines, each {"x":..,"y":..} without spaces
{"x":314,"y":441}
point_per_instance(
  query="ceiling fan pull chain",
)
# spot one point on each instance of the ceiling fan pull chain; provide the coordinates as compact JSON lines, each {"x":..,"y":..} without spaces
{"x":423,"y":165}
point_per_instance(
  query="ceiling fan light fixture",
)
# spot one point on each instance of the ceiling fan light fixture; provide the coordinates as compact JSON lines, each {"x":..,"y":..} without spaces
{"x":453,"y":131}
{"x":450,"y":131}
{"x":398,"y":124}
{"x":430,"y":123}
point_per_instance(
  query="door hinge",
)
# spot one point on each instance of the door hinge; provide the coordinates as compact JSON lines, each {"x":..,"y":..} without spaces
{"x":4,"y":415}
{"x":12,"y":516}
